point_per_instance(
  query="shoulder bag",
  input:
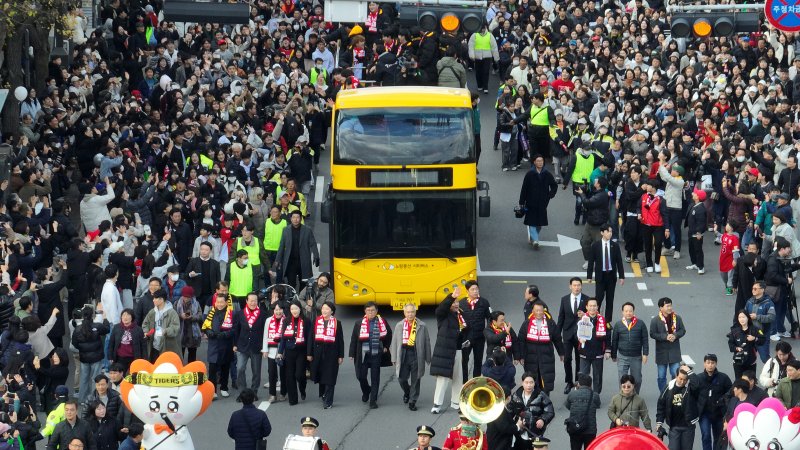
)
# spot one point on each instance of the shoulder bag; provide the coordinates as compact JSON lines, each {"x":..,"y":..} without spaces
{"x":614,"y":422}
{"x":575,"y":426}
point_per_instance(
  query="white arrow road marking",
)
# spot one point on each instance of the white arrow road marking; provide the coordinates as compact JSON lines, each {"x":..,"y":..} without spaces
{"x":264,"y":406}
{"x":641,"y":286}
{"x":647,"y":301}
{"x":319,"y":189}
{"x":688,"y":360}
{"x":565,"y":243}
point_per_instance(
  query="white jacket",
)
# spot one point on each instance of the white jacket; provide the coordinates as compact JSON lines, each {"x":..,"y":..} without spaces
{"x":769,"y":374}
{"x":94,"y":209}
{"x":112,"y":303}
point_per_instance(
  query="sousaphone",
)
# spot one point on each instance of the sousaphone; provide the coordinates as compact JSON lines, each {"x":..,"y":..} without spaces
{"x":481,"y":400}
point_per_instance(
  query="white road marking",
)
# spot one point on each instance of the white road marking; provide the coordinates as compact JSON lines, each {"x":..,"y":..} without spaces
{"x":641,"y":286}
{"x":688,"y":360}
{"x":264,"y":406}
{"x":512,"y":274}
{"x":647,"y":301}
{"x":319,"y":189}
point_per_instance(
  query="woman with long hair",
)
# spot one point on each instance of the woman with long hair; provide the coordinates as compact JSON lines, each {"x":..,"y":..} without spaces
{"x":743,"y":341}
{"x":292,"y":351}
{"x":326,"y":352}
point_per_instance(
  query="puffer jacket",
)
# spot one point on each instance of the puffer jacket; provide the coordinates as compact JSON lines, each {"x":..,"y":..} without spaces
{"x":448,"y":340}
{"x":141,"y":203}
{"x":451,"y":73}
{"x":539,"y":406}
{"x":673,"y":193}
{"x":596,"y":208}
{"x":94,"y":209}
{"x":583,"y":404}
{"x":90,"y":347}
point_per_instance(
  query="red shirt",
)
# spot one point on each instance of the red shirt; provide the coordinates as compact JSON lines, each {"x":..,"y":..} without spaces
{"x":560,"y":84}
{"x":729,"y":243}
{"x":454,"y":440}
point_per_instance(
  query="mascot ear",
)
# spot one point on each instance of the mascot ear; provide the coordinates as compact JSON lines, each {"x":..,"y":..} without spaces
{"x":794,"y":415}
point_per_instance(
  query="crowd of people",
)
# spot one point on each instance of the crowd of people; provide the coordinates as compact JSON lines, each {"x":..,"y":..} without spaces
{"x":160,"y":179}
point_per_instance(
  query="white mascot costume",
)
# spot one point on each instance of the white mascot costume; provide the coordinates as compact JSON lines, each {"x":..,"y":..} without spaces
{"x":769,"y":426}
{"x":166,"y":396}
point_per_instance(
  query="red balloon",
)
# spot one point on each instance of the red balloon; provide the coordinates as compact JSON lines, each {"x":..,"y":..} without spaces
{"x":627,"y":438}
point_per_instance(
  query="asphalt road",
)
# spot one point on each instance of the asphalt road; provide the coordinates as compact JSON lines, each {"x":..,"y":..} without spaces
{"x":507,"y":264}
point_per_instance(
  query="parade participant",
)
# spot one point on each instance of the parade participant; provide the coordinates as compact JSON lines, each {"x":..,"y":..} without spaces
{"x":775,"y":368}
{"x":498,"y":334}
{"x":248,"y":334}
{"x":411,"y":353}
{"x":713,"y":387}
{"x":537,"y":406}
{"x":326,"y":352}
{"x":537,"y":339}
{"x":309,"y":427}
{"x":255,"y":251}
{"x":531,"y":295}
{"x":465,"y":433}
{"x":667,"y":329}
{"x":218,"y":328}
{"x":475,"y":310}
{"x":269,"y":350}
{"x":593,"y":350}
{"x":369,"y":350}
{"x":240,"y":277}
{"x":652,"y":213}
{"x":627,"y":408}
{"x":677,"y":407}
{"x":538,"y":188}
{"x":424,"y":436}
{"x":572,"y":309}
{"x":582,"y":403}
{"x":446,"y":358}
{"x":630,"y":344}
{"x":605,"y":266}
{"x":292,"y":350}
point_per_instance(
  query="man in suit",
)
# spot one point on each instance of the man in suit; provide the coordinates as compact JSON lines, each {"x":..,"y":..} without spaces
{"x":203,"y":274}
{"x":296,"y":267}
{"x":605,"y":265}
{"x":572,"y":309}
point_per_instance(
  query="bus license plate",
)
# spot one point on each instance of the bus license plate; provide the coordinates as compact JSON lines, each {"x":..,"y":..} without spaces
{"x":399,"y":302}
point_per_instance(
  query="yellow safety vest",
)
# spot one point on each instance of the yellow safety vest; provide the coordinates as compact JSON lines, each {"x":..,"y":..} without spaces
{"x":253,"y":250}
{"x":583,"y":168}
{"x":241,"y":279}
{"x":539,"y":116}
{"x":272,"y":234}
{"x":483,"y":41}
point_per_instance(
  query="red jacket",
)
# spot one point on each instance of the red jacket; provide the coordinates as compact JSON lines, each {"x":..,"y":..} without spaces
{"x":454,"y":439}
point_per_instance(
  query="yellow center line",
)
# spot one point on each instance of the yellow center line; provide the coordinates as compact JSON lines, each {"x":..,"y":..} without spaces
{"x":679,"y":282}
{"x":637,"y":269}
{"x":664,"y":267}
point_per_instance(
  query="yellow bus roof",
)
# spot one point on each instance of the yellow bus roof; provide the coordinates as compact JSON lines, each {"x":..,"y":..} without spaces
{"x":404,"y":96}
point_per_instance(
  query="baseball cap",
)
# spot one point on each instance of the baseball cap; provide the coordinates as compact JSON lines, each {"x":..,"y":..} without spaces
{"x":754,"y":172}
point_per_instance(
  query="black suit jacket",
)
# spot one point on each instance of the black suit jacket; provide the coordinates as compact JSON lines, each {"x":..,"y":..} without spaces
{"x":596,"y":261}
{"x":567,"y":320}
{"x":196,"y":265}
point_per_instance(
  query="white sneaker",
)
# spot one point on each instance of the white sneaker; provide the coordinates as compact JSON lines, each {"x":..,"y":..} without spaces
{"x":701,"y":271}
{"x":786,"y":334}
{"x":436,"y":409}
{"x":224,"y":394}
{"x":658,"y":268}
{"x":692,"y":267}
{"x":676,"y":255}
{"x":649,"y":269}
{"x":585,"y":265}
{"x":454,"y":406}
{"x":775,"y":337}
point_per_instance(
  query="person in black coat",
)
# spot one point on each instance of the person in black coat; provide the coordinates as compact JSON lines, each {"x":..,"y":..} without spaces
{"x":499,"y":334}
{"x":248,"y":334}
{"x":582,"y":404}
{"x":181,"y":236}
{"x":292,"y":351}
{"x":538,"y":336}
{"x":102,"y":388}
{"x":501,"y":431}
{"x":571,"y":310}
{"x":476,"y":311}
{"x":49,"y":295}
{"x":445,"y":361}
{"x":369,"y":350}
{"x":743,"y":341}
{"x":326,"y":350}
{"x":628,"y":203}
{"x":605,"y":266}
{"x":202,"y":274}
{"x":749,"y":268}
{"x":103,"y":425}
{"x":248,"y":425}
{"x":538,"y":187}
{"x":696,"y":223}
{"x":218,"y":329}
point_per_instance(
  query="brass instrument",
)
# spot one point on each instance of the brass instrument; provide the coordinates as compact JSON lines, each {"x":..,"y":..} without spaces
{"x":481,"y":401}
{"x":472,"y":444}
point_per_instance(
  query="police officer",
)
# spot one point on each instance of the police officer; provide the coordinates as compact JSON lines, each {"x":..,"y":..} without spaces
{"x":424,"y":436}
{"x":309,"y":427}
{"x":541,"y":443}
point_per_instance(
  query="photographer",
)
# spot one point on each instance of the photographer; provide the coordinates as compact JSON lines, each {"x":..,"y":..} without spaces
{"x":534,"y":408}
{"x":779,"y":281}
{"x":500,"y":433}
{"x":316,"y":293}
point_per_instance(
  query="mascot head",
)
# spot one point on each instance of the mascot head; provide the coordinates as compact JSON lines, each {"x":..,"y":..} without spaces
{"x":766,"y":427}
{"x":167,"y":392}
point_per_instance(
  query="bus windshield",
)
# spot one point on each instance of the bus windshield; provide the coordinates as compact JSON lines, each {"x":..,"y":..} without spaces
{"x":420,"y":224}
{"x":396,"y":136}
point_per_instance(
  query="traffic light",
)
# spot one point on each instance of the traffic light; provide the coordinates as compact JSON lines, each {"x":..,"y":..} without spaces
{"x":446,"y":18}
{"x":713,"y":24}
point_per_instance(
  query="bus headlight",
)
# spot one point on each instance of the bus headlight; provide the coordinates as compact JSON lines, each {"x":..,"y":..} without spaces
{"x":364,"y":291}
{"x":463,"y":281}
{"x":446,"y":290}
{"x":355,"y":287}
{"x":347,"y":282}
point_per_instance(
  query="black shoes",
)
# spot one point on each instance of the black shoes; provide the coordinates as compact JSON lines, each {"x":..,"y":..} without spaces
{"x":235,"y":385}
{"x":412,"y":406}
{"x":568,"y":388}
{"x":365,"y":398}
{"x":405,"y":398}
{"x":302,"y":396}
{"x":373,"y":405}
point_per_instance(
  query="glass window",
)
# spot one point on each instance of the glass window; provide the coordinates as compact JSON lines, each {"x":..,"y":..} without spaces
{"x":404,"y":224}
{"x":404,"y":136}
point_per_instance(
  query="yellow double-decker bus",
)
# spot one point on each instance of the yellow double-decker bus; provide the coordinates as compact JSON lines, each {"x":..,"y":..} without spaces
{"x":403,"y":198}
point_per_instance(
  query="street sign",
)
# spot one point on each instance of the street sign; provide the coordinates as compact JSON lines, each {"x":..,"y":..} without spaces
{"x":783,"y":14}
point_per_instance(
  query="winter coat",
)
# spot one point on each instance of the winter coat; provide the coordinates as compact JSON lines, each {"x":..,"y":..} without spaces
{"x":90,"y":345}
{"x":501,"y":431}
{"x":220,"y":342}
{"x":141,"y":205}
{"x":477,"y":318}
{"x":538,"y":358}
{"x":64,"y":433}
{"x":137,"y":341}
{"x":422,"y":345}
{"x":326,"y":355}
{"x":171,"y":325}
{"x":539,"y":406}
{"x":631,"y":343}
{"x":449,"y":338}
{"x":356,"y":350}
{"x":39,"y":341}
{"x":583,"y":404}
{"x":537,"y":190}
{"x":247,"y":426}
{"x":494,"y":340}
{"x":596,"y":208}
{"x":711,"y":391}
{"x":667,"y":352}
{"x":94,"y":209}
{"x":666,"y":401}
{"x":113,"y":404}
{"x":696,"y":220}
{"x":630,"y":409}
{"x":738,"y":338}
{"x":505,"y":374}
{"x":451,"y":73}
{"x":771,"y":374}
{"x":248,"y":339}
{"x":190,"y":328}
{"x":307,"y":246}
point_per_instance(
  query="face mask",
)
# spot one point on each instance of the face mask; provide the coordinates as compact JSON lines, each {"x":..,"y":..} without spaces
{"x":515,"y":62}
{"x":245,"y":261}
{"x":740,"y":159}
{"x":247,"y":54}
{"x":174,"y":278}
{"x":83,"y":72}
{"x":319,"y":66}
{"x":217,"y":66}
{"x":469,"y":430}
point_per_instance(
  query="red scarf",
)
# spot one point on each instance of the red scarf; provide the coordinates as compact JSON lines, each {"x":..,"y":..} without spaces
{"x":372,"y":22}
{"x":137,"y":263}
{"x":461,"y":322}
{"x":538,"y":333}
{"x":629,"y":326}
{"x":600,"y":325}
{"x":472,"y":304}
{"x":324,"y":333}
{"x":251,"y":315}
{"x":407,"y":329}
{"x":273,"y":330}
{"x":508,"y":336}
{"x":363,"y":333}
{"x":674,"y":323}
{"x":358,"y":55}
{"x":289,"y":331}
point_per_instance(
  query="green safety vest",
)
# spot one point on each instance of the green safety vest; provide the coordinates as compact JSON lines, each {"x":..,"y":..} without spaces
{"x":55,"y":417}
{"x":483,"y":41}
{"x":539,"y":116}
{"x":314,"y":73}
{"x":253,"y":250}
{"x":583,"y":168}
{"x":205,"y":161}
{"x":241,"y":279}
{"x":272,"y":234}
